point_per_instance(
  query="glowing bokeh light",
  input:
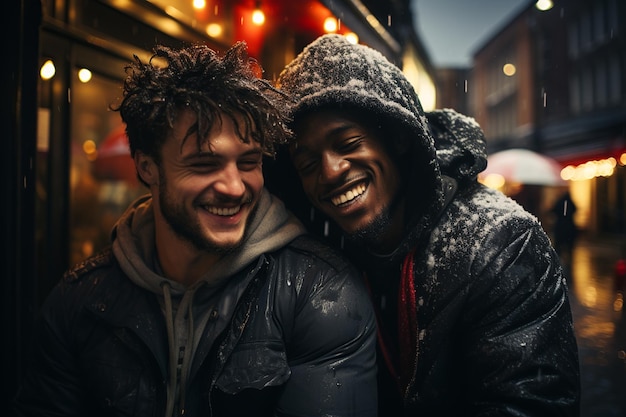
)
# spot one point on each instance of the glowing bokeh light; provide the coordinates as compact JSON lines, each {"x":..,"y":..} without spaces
{"x":495,"y":181}
{"x":509,"y":70}
{"x":352,"y":37}
{"x":589,"y":170}
{"x":47,"y":70}
{"x":199,"y":4}
{"x":89,"y":146}
{"x":544,"y":5}
{"x":84,"y":75}
{"x":330,"y":25}
{"x":214,"y":30}
{"x":258,"y":17}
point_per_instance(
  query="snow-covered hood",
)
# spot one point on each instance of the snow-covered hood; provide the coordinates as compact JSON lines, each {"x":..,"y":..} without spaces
{"x":332,"y":71}
{"x":460,"y":143}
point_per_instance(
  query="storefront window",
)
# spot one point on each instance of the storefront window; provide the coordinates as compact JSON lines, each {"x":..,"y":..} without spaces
{"x":102,"y":175}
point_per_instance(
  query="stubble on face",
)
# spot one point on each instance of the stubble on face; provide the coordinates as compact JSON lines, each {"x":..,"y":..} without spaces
{"x":185,"y":223}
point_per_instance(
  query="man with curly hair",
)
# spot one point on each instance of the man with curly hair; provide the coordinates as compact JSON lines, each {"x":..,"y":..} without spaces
{"x":211,"y":300}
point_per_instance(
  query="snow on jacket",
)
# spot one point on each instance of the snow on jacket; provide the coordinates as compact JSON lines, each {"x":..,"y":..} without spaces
{"x":289,"y":331}
{"x":494,"y":329}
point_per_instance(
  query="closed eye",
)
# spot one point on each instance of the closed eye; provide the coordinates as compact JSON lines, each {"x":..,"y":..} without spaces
{"x":350,"y":144}
{"x":305,"y":166}
{"x":249,"y":164}
{"x":205,"y":165}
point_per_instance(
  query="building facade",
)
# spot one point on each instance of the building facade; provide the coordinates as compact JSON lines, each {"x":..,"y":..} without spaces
{"x":453,"y":88}
{"x":554,"y":82}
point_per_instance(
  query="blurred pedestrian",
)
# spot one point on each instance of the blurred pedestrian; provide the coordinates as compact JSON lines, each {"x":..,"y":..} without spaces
{"x":565,"y":230}
{"x":212,"y":301}
{"x":473,"y":310}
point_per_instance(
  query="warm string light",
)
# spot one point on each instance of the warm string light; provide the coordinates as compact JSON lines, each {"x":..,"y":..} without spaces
{"x":590,"y":169}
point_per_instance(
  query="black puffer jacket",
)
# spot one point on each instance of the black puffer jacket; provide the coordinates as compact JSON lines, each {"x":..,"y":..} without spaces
{"x":494,"y":333}
{"x":494,"y":325}
{"x":494,"y":322}
{"x":300,"y":342}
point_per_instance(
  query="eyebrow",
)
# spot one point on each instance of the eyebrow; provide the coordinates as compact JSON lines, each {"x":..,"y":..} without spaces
{"x":206,"y":154}
{"x":335,"y":131}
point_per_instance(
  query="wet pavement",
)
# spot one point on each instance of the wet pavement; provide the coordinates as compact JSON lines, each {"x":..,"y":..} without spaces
{"x":600,"y":325}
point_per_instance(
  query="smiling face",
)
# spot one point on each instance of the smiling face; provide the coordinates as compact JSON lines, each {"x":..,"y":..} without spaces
{"x":205,"y":195}
{"x":347,"y":173}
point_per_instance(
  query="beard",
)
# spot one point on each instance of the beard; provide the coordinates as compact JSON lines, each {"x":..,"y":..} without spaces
{"x":369,"y":235}
{"x":187,"y":226}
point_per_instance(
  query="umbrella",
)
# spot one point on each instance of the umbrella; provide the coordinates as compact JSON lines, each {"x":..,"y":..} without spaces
{"x":524,"y":166}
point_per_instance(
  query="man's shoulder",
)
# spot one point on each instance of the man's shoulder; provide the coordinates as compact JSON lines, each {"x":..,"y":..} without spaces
{"x":88,"y":282}
{"x":94,"y":267}
{"x":481,"y":217}
{"x":483,"y":203}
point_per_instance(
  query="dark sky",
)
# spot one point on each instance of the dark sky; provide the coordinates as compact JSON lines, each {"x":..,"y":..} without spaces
{"x":452,"y":29}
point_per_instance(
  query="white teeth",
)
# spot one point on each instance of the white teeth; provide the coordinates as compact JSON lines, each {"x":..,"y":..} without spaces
{"x":348,"y":195}
{"x":221,"y":211}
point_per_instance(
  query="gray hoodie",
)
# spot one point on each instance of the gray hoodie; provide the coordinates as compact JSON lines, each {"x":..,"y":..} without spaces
{"x":188,"y":308}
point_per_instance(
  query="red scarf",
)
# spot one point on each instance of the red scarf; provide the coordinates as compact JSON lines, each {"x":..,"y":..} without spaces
{"x":402,"y":371}
{"x":407,"y":321}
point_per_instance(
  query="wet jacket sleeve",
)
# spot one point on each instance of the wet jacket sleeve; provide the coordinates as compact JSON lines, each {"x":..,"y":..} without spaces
{"x":522,"y":357}
{"x":332,"y":348}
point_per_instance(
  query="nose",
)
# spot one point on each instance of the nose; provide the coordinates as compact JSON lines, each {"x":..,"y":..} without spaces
{"x":230,"y":182}
{"x":334,"y":166}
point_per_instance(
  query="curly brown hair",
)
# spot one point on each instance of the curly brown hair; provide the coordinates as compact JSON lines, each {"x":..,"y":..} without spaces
{"x":197,"y":78}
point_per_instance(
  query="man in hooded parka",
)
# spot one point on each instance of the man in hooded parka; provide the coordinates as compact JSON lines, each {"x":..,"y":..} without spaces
{"x":473,"y":310}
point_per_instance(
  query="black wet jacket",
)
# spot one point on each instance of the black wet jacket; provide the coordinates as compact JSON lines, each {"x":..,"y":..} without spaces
{"x":494,"y":325}
{"x":493,"y":333}
{"x":300,"y":342}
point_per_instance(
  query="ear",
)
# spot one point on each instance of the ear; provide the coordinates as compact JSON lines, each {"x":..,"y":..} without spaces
{"x":146,"y":168}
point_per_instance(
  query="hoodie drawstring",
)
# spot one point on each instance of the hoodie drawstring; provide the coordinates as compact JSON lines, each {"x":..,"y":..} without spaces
{"x":175,"y":352}
{"x":186,"y":358}
{"x":169,"y":324}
